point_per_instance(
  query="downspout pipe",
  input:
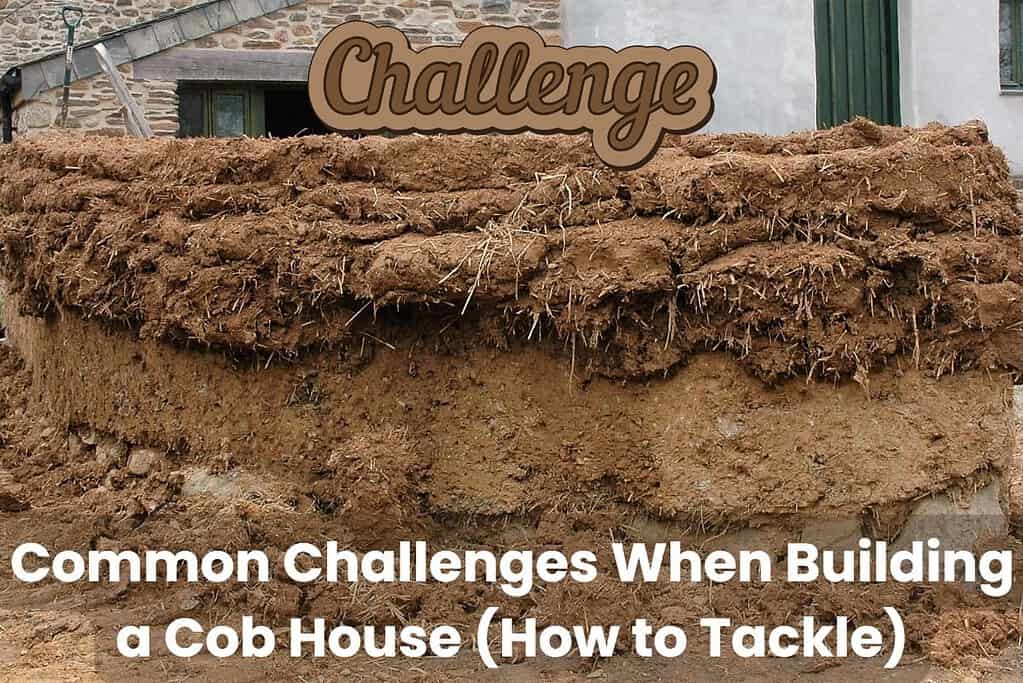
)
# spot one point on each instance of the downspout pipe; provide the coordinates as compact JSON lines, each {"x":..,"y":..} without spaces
{"x":10,"y":82}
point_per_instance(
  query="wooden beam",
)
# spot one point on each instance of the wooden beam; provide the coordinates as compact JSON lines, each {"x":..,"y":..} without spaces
{"x":214,"y":64}
{"x":134,"y":119}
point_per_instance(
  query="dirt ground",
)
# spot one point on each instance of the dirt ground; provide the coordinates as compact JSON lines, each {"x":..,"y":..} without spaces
{"x":497,"y":343}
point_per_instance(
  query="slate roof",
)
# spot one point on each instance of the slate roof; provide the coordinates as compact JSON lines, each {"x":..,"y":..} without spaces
{"x":141,"y":40}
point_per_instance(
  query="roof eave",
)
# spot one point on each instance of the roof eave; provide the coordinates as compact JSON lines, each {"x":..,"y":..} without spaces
{"x":143,"y":39}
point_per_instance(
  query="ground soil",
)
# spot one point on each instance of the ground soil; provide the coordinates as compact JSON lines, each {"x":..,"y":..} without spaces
{"x":498,"y":343}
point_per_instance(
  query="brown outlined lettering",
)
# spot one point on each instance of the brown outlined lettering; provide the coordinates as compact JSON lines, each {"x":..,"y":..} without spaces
{"x":368,"y":78}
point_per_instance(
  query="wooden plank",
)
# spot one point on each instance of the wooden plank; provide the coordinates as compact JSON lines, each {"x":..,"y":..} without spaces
{"x":134,"y":119}
{"x":825,"y":107}
{"x":212,"y":64}
{"x":886,"y":65}
{"x":893,"y":89}
{"x":877,"y":105}
{"x":840,"y":63}
{"x":857,"y":61}
{"x":858,"y":46}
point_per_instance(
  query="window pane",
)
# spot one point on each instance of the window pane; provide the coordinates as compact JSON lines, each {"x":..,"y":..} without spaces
{"x":190,"y":113}
{"x":228,"y":115}
{"x":1005,"y":41}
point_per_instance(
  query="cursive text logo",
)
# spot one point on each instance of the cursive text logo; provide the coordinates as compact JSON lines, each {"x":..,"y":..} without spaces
{"x":507,"y":80}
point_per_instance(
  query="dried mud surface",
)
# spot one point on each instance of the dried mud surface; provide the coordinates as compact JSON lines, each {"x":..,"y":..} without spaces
{"x":411,"y":440}
{"x":60,"y":490}
{"x":498,"y":343}
{"x":820,"y":254}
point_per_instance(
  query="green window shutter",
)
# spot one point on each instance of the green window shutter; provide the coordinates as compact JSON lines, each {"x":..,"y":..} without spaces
{"x":857,"y":61}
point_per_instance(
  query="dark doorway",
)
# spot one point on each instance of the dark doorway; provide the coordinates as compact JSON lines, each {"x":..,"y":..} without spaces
{"x":230,"y":109}
{"x":857,"y":61}
{"x":289,"y":113}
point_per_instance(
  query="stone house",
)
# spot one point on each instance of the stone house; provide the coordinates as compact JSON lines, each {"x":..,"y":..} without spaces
{"x":214,"y":67}
{"x":239,"y":66}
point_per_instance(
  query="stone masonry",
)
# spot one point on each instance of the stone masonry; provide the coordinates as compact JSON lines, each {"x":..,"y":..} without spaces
{"x":423,"y":21}
{"x":32,"y":29}
{"x":94,"y":108}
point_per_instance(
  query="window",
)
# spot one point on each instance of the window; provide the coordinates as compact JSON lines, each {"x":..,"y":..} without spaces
{"x":253,"y":109}
{"x":229,"y":114}
{"x":1010,"y":43}
{"x":220,"y":111}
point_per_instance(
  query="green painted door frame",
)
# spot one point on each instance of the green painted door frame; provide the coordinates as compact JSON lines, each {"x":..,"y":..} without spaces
{"x":857,"y":61}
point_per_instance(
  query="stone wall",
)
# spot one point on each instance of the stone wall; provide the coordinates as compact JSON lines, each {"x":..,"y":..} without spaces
{"x":93,"y":106}
{"x":423,"y":21}
{"x":31,"y":29}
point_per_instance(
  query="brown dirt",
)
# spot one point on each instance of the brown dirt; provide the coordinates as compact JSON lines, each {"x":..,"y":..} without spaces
{"x":72,"y":502}
{"x":459,"y":429}
{"x":497,"y":343}
{"x":802,"y":256}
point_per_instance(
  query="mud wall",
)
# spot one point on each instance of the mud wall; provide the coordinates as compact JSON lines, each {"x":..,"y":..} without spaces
{"x":824,"y":255}
{"x":733,"y":333}
{"x":497,"y":342}
{"x":483,"y":433}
